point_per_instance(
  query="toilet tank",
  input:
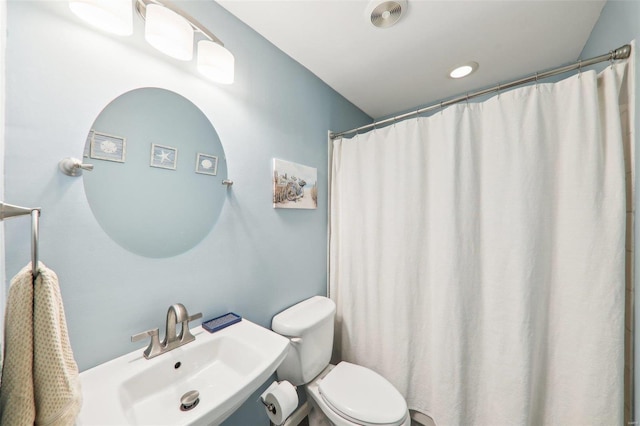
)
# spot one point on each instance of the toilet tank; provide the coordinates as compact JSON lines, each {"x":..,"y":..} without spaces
{"x":309,"y":326}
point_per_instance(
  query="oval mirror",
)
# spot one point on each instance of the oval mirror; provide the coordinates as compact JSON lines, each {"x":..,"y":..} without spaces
{"x":156,"y":187}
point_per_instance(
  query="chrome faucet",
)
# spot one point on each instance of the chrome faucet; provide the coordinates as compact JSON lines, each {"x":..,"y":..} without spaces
{"x":177,"y":314}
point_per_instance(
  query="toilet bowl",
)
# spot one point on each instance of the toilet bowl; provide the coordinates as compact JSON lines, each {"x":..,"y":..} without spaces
{"x":347,"y":394}
{"x":369,"y":401}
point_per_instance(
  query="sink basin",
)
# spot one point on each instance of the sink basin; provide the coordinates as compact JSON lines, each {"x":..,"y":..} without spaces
{"x":225,"y":367}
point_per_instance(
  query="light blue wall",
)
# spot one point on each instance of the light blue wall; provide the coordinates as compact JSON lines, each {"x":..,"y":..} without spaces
{"x":619,"y":23}
{"x":256,"y":261}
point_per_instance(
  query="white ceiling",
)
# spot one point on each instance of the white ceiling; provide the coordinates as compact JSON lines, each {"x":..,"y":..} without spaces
{"x":386,"y":71}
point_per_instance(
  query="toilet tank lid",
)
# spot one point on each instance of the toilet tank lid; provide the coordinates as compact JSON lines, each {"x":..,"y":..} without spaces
{"x":294,"y":321}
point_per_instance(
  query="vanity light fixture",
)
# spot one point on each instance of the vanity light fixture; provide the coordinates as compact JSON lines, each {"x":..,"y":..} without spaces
{"x":112,"y":16}
{"x":171,"y":36}
{"x":168,"y":32}
{"x":215,"y":62}
{"x":464,"y":70}
{"x":167,"y":28}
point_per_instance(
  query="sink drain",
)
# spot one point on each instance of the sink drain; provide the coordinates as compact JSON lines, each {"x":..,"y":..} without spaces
{"x":189,"y":400}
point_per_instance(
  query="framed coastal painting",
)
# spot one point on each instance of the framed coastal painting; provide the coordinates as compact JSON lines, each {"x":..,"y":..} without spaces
{"x":107,"y":147}
{"x":164,"y":157}
{"x":206,"y":164}
{"x":295,"y":186}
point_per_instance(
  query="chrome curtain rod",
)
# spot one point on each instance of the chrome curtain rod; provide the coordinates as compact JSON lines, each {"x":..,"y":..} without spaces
{"x":620,"y":53}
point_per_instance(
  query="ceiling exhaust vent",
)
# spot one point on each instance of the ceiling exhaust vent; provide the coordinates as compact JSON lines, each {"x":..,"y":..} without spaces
{"x":385,"y":13}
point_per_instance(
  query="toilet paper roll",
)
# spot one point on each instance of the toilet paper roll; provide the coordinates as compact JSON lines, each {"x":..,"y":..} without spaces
{"x":280,"y":399}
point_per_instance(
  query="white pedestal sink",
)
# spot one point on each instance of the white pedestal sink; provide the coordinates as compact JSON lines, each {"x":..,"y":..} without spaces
{"x":225,"y":367}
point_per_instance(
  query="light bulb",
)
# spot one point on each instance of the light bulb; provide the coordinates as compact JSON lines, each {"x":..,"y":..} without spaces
{"x":215,"y":62}
{"x":464,"y":70}
{"x":113,"y":16}
{"x":168,"y":32}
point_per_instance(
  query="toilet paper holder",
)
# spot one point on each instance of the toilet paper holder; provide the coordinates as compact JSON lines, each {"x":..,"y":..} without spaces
{"x":271,"y":408}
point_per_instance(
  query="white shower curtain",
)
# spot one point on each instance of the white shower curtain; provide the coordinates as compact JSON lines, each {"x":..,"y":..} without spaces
{"x":477,"y":255}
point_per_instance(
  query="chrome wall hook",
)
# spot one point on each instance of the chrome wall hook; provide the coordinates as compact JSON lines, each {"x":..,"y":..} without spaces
{"x":73,"y":167}
{"x":227,"y":182}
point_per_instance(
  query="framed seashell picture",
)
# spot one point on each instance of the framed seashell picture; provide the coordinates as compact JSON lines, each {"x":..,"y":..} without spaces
{"x":108,"y":147}
{"x":206,"y":164}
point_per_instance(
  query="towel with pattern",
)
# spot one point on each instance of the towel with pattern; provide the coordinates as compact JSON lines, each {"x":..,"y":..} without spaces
{"x":40,"y":382}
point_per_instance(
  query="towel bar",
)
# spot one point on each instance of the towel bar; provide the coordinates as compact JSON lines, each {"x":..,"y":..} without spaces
{"x":8,"y":211}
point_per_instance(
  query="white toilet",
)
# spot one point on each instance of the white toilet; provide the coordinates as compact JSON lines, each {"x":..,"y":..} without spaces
{"x":347,"y":394}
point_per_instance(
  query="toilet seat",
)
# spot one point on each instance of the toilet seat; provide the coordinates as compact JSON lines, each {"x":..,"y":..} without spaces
{"x":362,"y":396}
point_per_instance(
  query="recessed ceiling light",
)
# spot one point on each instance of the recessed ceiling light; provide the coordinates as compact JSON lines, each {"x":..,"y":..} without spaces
{"x":464,"y":70}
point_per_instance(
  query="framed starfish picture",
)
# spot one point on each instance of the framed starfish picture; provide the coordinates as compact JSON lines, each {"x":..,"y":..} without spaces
{"x":164,"y":157}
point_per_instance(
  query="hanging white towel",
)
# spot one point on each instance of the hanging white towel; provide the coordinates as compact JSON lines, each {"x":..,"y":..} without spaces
{"x":40,"y":383}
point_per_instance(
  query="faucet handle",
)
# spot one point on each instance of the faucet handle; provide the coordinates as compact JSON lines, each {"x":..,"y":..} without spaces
{"x":141,"y":336}
{"x":154,"y":348}
{"x":194,"y":317}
